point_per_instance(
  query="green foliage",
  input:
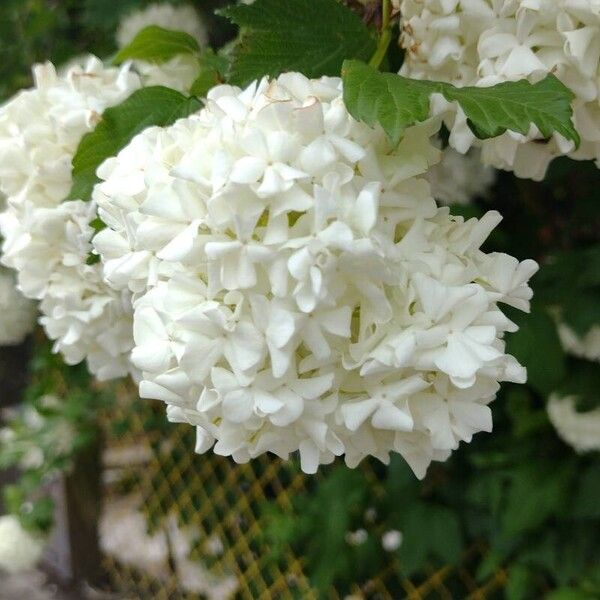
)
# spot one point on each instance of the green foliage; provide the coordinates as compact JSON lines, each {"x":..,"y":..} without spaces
{"x":34,"y":31}
{"x":396,"y":103}
{"x":571,"y":280}
{"x":313,"y":37}
{"x":545,"y":370}
{"x":146,"y":107}
{"x":57,"y":421}
{"x":157,"y":45}
{"x":213,"y":70}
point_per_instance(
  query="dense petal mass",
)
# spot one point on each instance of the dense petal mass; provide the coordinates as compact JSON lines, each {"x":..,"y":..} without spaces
{"x":296,"y":287}
{"x":490,"y":41}
{"x":48,"y":241}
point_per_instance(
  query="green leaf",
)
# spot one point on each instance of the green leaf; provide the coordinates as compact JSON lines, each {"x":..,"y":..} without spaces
{"x":313,"y":37}
{"x":535,"y":494}
{"x":587,"y":498}
{"x":213,"y":69}
{"x":583,"y":382}
{"x":429,"y":531}
{"x":582,"y":310}
{"x":537,"y":346}
{"x":157,"y":45}
{"x":149,"y":106}
{"x":519,"y":584}
{"x":396,"y":103}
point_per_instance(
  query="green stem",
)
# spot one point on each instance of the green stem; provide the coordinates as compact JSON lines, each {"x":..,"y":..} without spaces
{"x":385,"y":38}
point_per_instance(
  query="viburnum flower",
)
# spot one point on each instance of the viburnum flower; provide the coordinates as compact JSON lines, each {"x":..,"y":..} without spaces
{"x":460,"y":178}
{"x":17,"y":314}
{"x":180,"y":71}
{"x":296,"y":286}
{"x":19,"y":549}
{"x":46,"y":240}
{"x":581,"y":430}
{"x":486,"y":42}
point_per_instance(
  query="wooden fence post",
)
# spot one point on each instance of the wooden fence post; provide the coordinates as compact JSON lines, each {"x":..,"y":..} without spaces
{"x":73,"y":554}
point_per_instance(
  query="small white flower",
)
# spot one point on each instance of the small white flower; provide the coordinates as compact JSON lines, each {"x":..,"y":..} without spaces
{"x":581,"y":430}
{"x":19,"y":550}
{"x":391,"y":540}
{"x":296,"y":287}
{"x":586,"y":346}
{"x":356,"y":538}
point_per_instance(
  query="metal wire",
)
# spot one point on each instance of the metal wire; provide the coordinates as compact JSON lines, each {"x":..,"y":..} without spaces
{"x":222,"y":499}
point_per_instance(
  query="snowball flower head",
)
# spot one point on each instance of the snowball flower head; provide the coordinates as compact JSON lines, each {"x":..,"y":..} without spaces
{"x":46,"y":240}
{"x":460,"y":178}
{"x":297,"y":288}
{"x":490,"y":41}
{"x":177,"y":18}
{"x":17,"y":314}
{"x":19,"y":550}
{"x":581,"y":430}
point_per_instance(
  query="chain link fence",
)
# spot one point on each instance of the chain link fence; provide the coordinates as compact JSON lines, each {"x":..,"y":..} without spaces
{"x":209,"y":508}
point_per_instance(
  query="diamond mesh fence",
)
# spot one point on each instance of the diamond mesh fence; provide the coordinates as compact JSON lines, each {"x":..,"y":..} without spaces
{"x":220,"y":501}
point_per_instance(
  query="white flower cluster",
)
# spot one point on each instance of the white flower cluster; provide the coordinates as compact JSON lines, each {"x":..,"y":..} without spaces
{"x":460,"y":178}
{"x":19,"y":550}
{"x":46,"y":240}
{"x":297,"y":288}
{"x":484,"y":42}
{"x":180,"y":71}
{"x":581,"y":430}
{"x":17,"y":314}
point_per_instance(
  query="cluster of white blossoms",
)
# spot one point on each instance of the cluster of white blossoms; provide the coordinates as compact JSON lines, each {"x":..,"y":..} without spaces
{"x":17,"y":314}
{"x":581,"y":430}
{"x":296,"y":286}
{"x":180,"y":71}
{"x":47,"y":240}
{"x":484,"y":42}
{"x":19,"y":550}
{"x":460,"y":178}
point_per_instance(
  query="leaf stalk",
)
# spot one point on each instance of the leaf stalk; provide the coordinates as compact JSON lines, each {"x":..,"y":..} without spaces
{"x":385,"y":37}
